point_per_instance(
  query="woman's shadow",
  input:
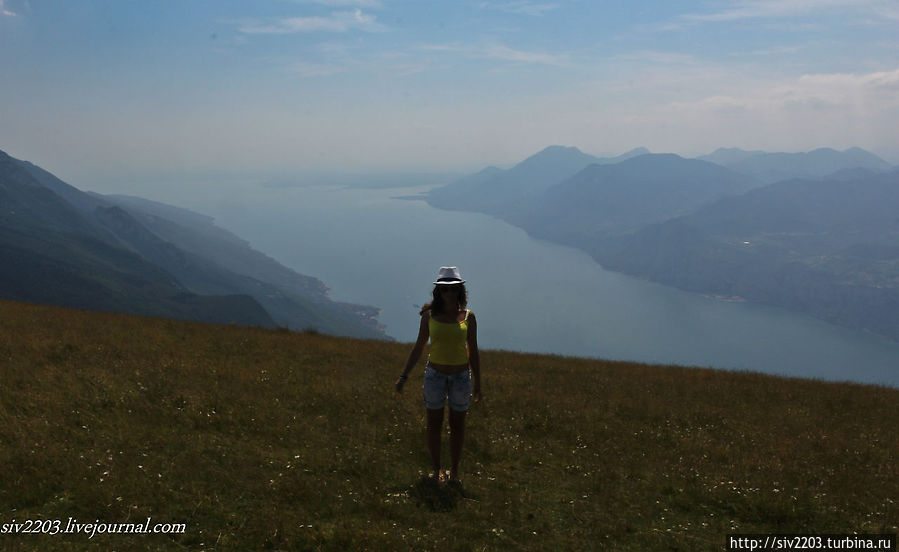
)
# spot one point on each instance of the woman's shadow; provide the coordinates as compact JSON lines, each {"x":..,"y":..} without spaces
{"x":436,"y":496}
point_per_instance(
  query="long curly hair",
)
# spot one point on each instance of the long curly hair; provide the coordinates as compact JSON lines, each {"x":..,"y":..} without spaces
{"x":439,"y":306}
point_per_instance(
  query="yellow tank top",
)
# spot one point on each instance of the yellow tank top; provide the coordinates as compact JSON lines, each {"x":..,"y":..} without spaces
{"x":449,"y":341}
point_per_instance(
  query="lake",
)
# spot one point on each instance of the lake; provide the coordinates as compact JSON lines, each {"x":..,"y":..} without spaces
{"x":370,"y":246}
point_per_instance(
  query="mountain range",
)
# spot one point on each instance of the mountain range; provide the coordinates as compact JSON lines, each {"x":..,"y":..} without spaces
{"x":611,"y":199}
{"x":824,"y":240}
{"x":59,"y":245}
{"x":774,"y":167}
{"x":497,"y":192}
{"x":827,"y":247}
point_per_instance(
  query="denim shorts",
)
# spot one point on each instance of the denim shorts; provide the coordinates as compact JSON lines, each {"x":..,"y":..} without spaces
{"x":438,"y":386}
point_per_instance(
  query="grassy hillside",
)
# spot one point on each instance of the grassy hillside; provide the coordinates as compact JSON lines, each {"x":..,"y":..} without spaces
{"x":259,"y":439}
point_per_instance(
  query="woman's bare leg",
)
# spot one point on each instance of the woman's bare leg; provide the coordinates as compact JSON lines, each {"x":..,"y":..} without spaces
{"x":435,"y":426}
{"x":457,"y":438}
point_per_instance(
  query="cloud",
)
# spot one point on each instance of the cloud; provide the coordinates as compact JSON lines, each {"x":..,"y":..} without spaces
{"x":337,"y":22}
{"x":345,"y":3}
{"x":385,"y":64}
{"x":310,"y":70}
{"x":882,"y":85}
{"x":758,"y":9}
{"x":518,"y":56}
{"x":501,"y":52}
{"x":525,"y":7}
{"x":656,"y":57}
{"x":399,"y":67}
{"x":889,"y":11}
{"x":775,"y":51}
{"x":695,"y":109}
{"x":831,"y":93}
{"x":786,"y":15}
{"x":4,"y":11}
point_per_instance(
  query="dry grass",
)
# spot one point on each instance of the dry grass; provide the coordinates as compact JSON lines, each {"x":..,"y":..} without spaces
{"x":287,"y":441}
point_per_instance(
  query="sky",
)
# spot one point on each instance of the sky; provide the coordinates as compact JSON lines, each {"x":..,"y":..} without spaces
{"x":103,"y":91}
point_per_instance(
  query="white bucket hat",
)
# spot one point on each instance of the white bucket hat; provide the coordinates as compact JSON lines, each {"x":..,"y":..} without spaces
{"x":449,"y":275}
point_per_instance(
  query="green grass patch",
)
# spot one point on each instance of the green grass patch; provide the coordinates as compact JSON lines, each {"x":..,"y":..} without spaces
{"x":272,"y":440}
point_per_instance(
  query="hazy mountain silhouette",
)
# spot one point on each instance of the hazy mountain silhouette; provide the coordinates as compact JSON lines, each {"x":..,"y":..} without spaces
{"x":726,"y":156}
{"x":62,"y":246}
{"x":825,"y":244}
{"x":828,"y":247}
{"x":222,"y":262}
{"x":604,"y":200}
{"x":52,"y":253}
{"x":774,"y":167}
{"x":499,"y":192}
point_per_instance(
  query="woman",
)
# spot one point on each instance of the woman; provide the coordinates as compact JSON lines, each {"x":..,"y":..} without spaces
{"x":453,"y":331}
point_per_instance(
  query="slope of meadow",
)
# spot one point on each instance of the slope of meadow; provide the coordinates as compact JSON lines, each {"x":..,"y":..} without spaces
{"x":262,"y":439}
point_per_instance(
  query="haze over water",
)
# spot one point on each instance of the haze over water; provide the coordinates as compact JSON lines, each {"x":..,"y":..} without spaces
{"x":370,"y":247}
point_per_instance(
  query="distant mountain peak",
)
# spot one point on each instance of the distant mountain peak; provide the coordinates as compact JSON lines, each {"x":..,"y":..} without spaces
{"x":557,"y":152}
{"x":773,"y":167}
{"x":635,"y":152}
{"x":550,"y":158}
{"x":489,"y":169}
{"x":653,"y":158}
{"x":558,"y":148}
{"x":728,"y":156}
{"x":730,"y":151}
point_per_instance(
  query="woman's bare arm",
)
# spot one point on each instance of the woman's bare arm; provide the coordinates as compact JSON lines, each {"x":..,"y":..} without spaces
{"x":423,"y":335}
{"x":474,"y":356}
